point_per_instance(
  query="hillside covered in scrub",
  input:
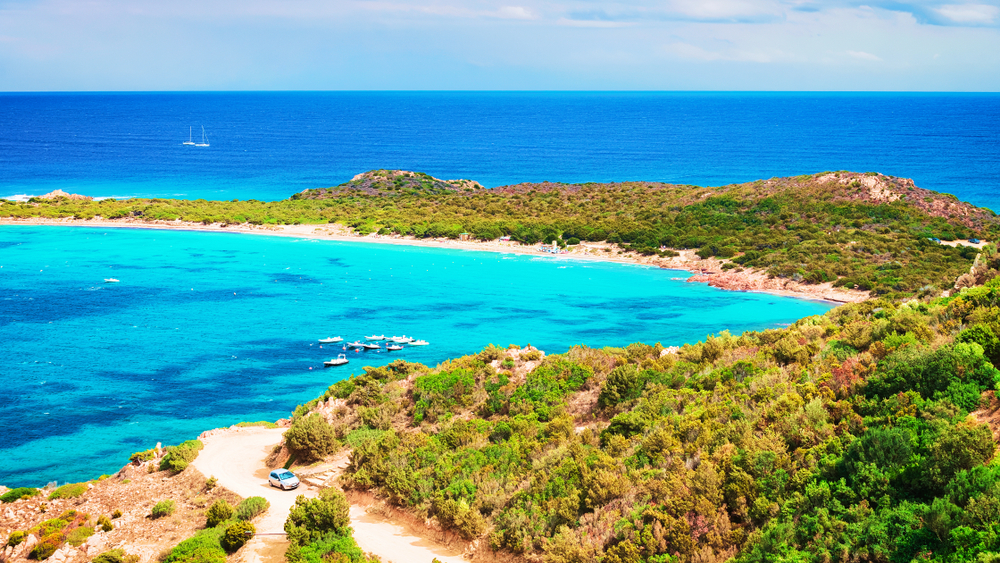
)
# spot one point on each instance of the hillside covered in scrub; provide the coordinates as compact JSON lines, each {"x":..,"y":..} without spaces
{"x":860,"y":435}
{"x":865,"y":231}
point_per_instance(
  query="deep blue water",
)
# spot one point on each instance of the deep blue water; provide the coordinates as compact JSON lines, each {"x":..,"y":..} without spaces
{"x":208,"y":329}
{"x":270,"y":145}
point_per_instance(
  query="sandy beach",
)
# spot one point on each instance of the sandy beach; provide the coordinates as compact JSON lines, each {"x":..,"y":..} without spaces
{"x":706,"y":270}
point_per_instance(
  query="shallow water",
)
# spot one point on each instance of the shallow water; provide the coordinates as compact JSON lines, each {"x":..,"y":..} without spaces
{"x":209,"y":329}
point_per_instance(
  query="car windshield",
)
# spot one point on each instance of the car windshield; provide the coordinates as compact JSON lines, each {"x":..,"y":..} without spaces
{"x":285,"y":475}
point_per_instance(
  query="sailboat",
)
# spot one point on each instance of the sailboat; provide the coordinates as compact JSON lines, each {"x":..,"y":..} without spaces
{"x":189,"y":141}
{"x":204,"y":142}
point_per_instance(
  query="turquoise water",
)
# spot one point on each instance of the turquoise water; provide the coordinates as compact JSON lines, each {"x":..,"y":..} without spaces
{"x":208,"y":329}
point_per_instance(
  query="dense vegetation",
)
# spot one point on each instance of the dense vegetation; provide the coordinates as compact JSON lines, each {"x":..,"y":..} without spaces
{"x":864,"y":230}
{"x":218,"y":537}
{"x":845,"y":437}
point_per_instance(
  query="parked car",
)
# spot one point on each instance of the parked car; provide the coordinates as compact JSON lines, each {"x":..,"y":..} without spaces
{"x":974,"y":240}
{"x":283,"y":478}
{"x":935,"y":239}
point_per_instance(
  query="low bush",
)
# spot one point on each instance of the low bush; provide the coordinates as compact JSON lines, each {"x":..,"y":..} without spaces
{"x":236,"y":535}
{"x":311,"y":438}
{"x":251,"y":508}
{"x":69,"y":490}
{"x":47,"y":546}
{"x":116,"y":514}
{"x":18,"y":494}
{"x":203,"y":547}
{"x":178,"y":457}
{"x":115,"y":556}
{"x":105,"y":523}
{"x":145,"y":455}
{"x":163,"y":508}
{"x":211,"y":482}
{"x":16,"y":538}
{"x":79,"y":535}
{"x":219,"y":512}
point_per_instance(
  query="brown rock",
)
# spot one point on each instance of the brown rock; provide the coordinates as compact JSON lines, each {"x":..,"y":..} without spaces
{"x":59,"y":193}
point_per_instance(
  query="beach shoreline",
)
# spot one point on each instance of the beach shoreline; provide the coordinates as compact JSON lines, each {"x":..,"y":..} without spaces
{"x":705,"y":270}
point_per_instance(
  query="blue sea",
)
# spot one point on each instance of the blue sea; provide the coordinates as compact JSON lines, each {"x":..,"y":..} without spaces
{"x":206,"y":330}
{"x":269,"y":145}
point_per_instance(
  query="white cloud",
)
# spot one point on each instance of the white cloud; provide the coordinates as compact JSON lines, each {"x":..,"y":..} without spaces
{"x":864,"y":56}
{"x":726,"y":10}
{"x":514,"y":13}
{"x":969,"y":13}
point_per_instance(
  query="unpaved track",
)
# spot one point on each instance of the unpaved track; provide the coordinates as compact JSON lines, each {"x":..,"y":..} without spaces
{"x":236,"y":459}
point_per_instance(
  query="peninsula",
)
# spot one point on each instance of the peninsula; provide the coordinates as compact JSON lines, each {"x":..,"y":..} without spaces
{"x":868,"y":433}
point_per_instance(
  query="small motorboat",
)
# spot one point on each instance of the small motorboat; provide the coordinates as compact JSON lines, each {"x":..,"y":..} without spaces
{"x":419,"y":343}
{"x":111,"y":280}
{"x":367,"y":346}
{"x":333,"y":340}
{"x":393,"y":347}
{"x":338,"y":361}
{"x":401,"y":339}
{"x":382,"y":337}
{"x":356,"y":344}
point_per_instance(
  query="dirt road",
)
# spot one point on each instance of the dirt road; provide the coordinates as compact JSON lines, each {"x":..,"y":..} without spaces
{"x":236,"y":459}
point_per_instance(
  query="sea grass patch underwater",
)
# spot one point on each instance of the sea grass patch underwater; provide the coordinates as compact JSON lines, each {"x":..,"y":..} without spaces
{"x":866,"y":231}
{"x":849,"y":436}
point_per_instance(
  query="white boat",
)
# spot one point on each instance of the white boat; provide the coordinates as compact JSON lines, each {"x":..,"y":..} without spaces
{"x":189,"y":141}
{"x":370,"y":346}
{"x":419,"y":343}
{"x":111,"y":280}
{"x":382,"y":337}
{"x":393,"y":347}
{"x":338,"y":361}
{"x":401,"y":339}
{"x":333,"y":340}
{"x":356,"y":344}
{"x":204,"y":141}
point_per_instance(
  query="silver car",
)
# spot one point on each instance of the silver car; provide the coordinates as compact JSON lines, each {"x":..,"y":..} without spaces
{"x":283,"y":478}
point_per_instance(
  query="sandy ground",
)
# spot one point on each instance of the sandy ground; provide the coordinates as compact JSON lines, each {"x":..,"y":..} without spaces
{"x":236,"y":458}
{"x":601,"y":252}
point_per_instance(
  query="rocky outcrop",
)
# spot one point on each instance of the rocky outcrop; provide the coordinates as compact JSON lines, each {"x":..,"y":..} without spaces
{"x":59,"y":193}
{"x":754,"y":281}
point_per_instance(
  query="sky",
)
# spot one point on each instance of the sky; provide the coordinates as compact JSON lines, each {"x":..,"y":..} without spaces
{"x":125,"y":45}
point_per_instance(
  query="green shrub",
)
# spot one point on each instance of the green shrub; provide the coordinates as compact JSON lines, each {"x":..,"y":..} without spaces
{"x":203,"y":547}
{"x":18,"y":494}
{"x":313,"y":518}
{"x":79,"y":535}
{"x":251,"y":508}
{"x":116,"y":514}
{"x":16,"y":538}
{"x":69,"y":490}
{"x":178,"y":457}
{"x":163,"y":508}
{"x":311,"y":438}
{"x":115,"y":556}
{"x":47,"y":546}
{"x":236,"y":535}
{"x":145,"y":455}
{"x":219,"y":512}
{"x":105,"y":523}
